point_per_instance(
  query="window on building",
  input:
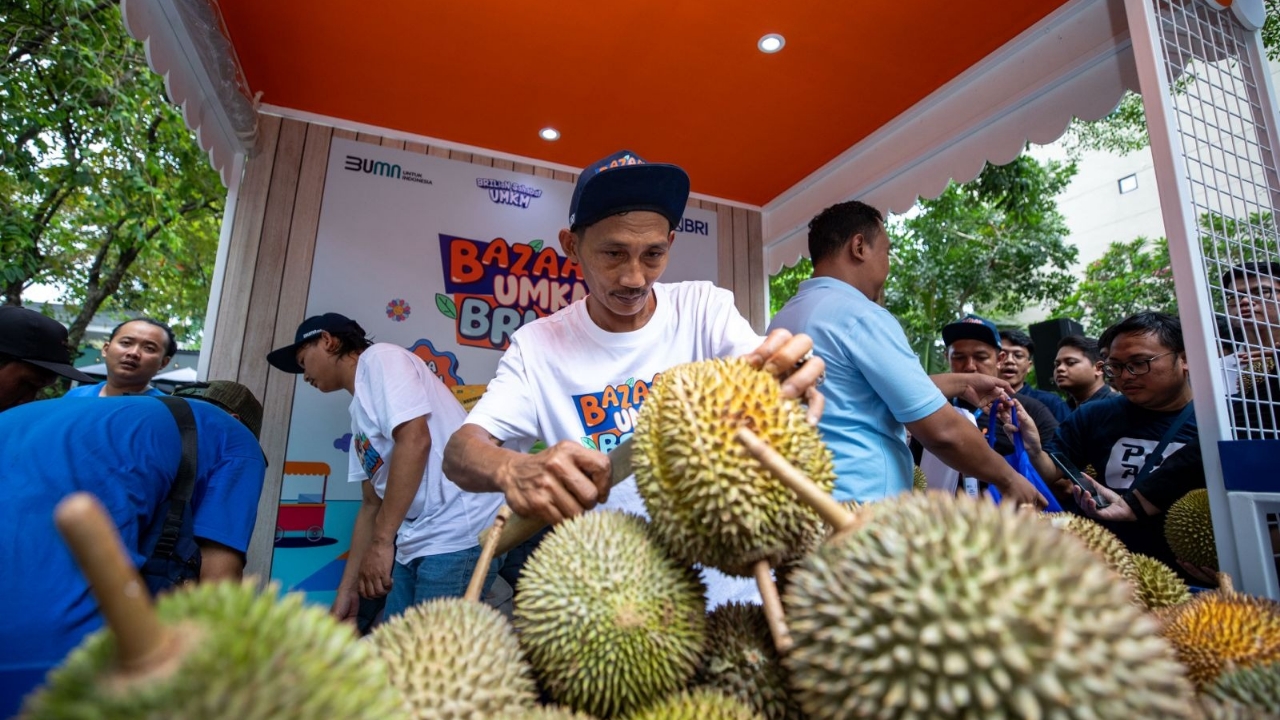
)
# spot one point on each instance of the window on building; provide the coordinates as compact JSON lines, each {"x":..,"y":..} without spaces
{"x":1128,"y":183}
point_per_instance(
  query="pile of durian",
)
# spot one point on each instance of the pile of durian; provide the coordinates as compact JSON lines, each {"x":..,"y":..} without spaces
{"x":922,"y":606}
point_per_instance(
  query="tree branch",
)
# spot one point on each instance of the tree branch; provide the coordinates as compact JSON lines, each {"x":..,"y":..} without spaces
{"x":44,"y":34}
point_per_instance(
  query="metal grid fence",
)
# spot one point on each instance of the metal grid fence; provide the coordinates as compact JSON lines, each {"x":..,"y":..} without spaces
{"x":1231,"y":168}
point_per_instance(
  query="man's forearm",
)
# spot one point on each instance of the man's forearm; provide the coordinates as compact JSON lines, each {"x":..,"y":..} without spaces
{"x":473,"y":460}
{"x":361,"y":536}
{"x":404,"y":477}
{"x":969,"y":453}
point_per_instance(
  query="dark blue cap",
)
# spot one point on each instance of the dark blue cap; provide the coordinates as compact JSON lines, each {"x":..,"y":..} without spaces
{"x":286,"y":358}
{"x":972,"y":327}
{"x":623,"y":182}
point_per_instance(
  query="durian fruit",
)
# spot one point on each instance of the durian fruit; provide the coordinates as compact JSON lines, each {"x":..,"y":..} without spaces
{"x":1223,"y":629}
{"x":550,"y":712}
{"x":1156,"y":585}
{"x":1100,"y":540}
{"x":1189,"y":530}
{"x":250,"y":656}
{"x":609,"y":622}
{"x":451,"y":658}
{"x":742,"y":661}
{"x":1256,"y":687}
{"x":937,"y":606}
{"x":919,"y":481}
{"x":710,"y":501}
{"x":1212,"y":708}
{"x":700,"y":704}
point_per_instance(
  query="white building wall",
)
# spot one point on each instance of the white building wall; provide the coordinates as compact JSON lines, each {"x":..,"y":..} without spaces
{"x":1097,"y":213}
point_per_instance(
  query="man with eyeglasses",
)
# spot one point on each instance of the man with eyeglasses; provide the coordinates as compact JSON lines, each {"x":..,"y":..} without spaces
{"x":1132,"y":438}
{"x":1253,"y":303}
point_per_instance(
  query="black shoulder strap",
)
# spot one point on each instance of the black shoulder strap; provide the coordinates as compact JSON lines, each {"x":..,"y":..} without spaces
{"x":184,"y":484}
{"x":1156,"y":457}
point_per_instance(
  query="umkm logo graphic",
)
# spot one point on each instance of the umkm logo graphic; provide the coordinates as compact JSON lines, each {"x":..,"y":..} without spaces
{"x":505,"y":192}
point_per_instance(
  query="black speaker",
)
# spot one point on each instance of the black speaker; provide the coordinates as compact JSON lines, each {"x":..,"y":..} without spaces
{"x":1046,"y":335}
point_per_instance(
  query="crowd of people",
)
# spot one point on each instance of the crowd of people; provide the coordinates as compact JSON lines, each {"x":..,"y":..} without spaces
{"x":182,"y":479}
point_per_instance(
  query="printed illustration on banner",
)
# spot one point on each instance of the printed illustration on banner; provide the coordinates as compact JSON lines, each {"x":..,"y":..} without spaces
{"x":609,"y":416}
{"x":493,"y":288}
{"x":442,"y":364}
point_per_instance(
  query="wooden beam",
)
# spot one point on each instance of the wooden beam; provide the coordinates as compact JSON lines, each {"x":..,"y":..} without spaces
{"x":242,"y":255}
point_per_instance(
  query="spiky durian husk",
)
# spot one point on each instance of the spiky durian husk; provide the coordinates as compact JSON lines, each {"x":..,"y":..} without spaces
{"x":609,"y":622}
{"x":709,"y":500}
{"x":550,"y":713}
{"x":1098,"y":539}
{"x":698,"y":704}
{"x":1156,"y":585}
{"x":1189,"y":530}
{"x":1256,"y":687}
{"x":1222,"y":629}
{"x":934,"y":606}
{"x":454,"y":659}
{"x":1212,"y":708}
{"x":254,"y":656}
{"x":919,"y":481}
{"x":742,"y":661}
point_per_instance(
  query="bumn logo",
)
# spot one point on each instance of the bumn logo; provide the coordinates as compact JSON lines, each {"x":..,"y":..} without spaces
{"x":374,"y":167}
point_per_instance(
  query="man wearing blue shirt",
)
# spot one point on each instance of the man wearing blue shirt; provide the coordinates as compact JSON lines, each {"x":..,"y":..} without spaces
{"x":136,"y":351}
{"x":126,"y":452}
{"x":875,"y":385}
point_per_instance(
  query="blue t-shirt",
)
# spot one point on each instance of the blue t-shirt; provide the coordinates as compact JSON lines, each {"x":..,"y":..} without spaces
{"x":874,"y":385}
{"x":94,"y":390}
{"x":125,"y":452}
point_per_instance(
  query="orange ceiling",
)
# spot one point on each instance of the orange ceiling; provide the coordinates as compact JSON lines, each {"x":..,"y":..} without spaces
{"x":676,"y":81}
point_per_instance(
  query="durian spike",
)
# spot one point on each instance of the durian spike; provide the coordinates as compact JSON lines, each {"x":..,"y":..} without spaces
{"x":786,"y":473}
{"x":143,"y":643}
{"x":1225,"y":585}
{"x":478,"y":575}
{"x":772,"y":607}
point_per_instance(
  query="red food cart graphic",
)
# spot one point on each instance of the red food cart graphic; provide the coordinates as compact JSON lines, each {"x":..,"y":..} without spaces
{"x":305,"y":513}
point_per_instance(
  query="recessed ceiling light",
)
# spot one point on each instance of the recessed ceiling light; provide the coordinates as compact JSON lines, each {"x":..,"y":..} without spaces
{"x":771,"y":43}
{"x":549,"y":133}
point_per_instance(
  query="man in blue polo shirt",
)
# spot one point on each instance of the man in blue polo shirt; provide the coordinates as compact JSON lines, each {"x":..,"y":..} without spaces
{"x":126,"y":452}
{"x":875,"y":384}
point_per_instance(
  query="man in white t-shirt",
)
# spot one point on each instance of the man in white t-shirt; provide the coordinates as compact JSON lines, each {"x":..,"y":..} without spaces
{"x":415,"y":537}
{"x":576,"y":379}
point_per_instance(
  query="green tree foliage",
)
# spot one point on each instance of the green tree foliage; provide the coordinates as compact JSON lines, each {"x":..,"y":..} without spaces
{"x":1129,"y":277}
{"x":783,"y":286}
{"x":996,"y":244}
{"x":1125,"y":129}
{"x":103,"y":191}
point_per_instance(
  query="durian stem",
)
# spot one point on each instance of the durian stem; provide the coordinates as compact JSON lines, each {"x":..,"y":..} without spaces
{"x":142,"y":641}
{"x":486,"y":555}
{"x":808,"y":491}
{"x":772,"y":607}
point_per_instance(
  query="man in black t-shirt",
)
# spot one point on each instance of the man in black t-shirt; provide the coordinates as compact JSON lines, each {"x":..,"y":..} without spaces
{"x":1135,"y":440}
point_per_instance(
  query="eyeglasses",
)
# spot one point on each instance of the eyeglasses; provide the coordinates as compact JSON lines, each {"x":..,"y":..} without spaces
{"x":1256,"y":295}
{"x":1135,"y":367}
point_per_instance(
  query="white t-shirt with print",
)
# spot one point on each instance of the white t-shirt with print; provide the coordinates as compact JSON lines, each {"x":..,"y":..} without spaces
{"x":393,"y":386}
{"x":565,"y":378}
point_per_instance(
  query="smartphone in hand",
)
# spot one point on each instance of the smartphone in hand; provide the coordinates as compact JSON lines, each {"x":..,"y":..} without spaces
{"x":1073,"y":474}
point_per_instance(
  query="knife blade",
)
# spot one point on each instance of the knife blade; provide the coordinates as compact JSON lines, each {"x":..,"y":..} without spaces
{"x":519,"y":528}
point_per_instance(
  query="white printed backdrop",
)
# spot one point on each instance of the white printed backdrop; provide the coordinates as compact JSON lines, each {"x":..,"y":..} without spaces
{"x":443,"y":257}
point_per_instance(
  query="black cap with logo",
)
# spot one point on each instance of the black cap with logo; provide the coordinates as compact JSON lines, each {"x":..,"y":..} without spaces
{"x":286,"y":358}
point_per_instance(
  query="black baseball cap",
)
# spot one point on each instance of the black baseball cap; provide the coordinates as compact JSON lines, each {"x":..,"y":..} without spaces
{"x":286,"y":358}
{"x":972,"y":327}
{"x":42,"y":341}
{"x":623,"y":182}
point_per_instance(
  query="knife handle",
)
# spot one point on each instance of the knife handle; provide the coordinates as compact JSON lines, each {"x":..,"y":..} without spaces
{"x":516,"y":530}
